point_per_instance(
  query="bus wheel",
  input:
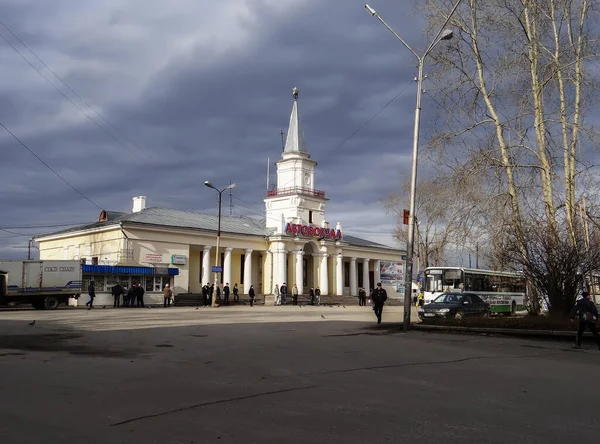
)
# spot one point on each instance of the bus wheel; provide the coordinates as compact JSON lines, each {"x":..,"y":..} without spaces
{"x":51,"y":303}
{"x":513,"y":309}
{"x":459,"y":315}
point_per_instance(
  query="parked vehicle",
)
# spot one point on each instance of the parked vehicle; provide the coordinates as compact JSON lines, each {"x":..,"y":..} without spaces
{"x":455,"y":305}
{"x":43,"y":284}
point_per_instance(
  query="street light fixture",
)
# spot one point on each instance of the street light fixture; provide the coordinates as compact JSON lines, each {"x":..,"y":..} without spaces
{"x":220,"y":192}
{"x":443,"y":34}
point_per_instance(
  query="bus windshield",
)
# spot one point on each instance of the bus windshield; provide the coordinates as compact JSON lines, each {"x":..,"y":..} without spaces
{"x":443,"y":280}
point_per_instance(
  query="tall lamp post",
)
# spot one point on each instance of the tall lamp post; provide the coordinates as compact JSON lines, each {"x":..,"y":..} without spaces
{"x":220,"y":192}
{"x":443,"y":34}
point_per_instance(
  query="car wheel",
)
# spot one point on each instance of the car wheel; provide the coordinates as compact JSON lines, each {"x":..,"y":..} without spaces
{"x":51,"y":303}
{"x":459,"y":315}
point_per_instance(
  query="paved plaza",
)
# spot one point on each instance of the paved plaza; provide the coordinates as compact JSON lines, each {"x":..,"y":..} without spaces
{"x":282,"y":375}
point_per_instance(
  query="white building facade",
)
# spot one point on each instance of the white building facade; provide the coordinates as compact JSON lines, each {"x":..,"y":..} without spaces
{"x":294,"y":243}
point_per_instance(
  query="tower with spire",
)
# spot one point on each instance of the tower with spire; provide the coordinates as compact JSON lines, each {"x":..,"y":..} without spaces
{"x":295,"y":199}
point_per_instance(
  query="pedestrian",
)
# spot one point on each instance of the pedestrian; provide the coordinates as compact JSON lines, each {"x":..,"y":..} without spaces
{"x":92,"y":294}
{"x":204,"y":301}
{"x":311,"y":293}
{"x":362,"y":297}
{"x":251,"y":295}
{"x":379,"y":296}
{"x":587,"y":312}
{"x":277,"y":295}
{"x":211,"y":291}
{"x":226,"y":292}
{"x":236,"y":296}
{"x":167,"y":295}
{"x":125,"y":297}
{"x":295,"y":295}
{"x":140,"y":296}
{"x":283,"y":290}
{"x":132,"y":295}
{"x":415,"y":297}
{"x":117,"y":291}
{"x":318,"y":295}
{"x":218,"y":294}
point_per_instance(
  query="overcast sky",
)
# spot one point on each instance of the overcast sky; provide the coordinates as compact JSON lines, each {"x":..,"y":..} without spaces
{"x":195,"y":90}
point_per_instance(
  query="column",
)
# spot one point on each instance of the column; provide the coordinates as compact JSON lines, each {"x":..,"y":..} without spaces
{"x":324,"y":278}
{"x":299,"y":271}
{"x":366,"y":282}
{"x":377,"y":272}
{"x":206,"y":265}
{"x":339,"y":273}
{"x":248,"y":271}
{"x":227,"y":266}
{"x":281,"y":271}
{"x":353,"y":281}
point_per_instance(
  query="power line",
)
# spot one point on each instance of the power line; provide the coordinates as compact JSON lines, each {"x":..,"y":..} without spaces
{"x":25,"y":227}
{"x":65,"y":96}
{"x":50,"y":168}
{"x":70,"y":89}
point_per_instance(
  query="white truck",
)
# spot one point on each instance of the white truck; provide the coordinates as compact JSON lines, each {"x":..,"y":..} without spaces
{"x":44,"y":284}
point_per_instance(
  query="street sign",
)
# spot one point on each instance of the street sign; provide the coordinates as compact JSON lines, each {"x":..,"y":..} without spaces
{"x":216,"y":269}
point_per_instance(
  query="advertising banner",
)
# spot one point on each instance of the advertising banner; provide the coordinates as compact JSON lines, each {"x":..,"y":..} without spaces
{"x":392,"y":274}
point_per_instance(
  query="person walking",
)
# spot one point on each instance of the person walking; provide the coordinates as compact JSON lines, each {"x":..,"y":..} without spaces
{"x":117,"y":291}
{"x":318,"y":295}
{"x":218,"y":294}
{"x":311,"y":293}
{"x":226,"y":292}
{"x":140,"y":296}
{"x":92,"y":295}
{"x":587,"y":312}
{"x":277,"y":295}
{"x":167,"y":295}
{"x":295,"y":295}
{"x":379,"y":296}
{"x":251,"y":295}
{"x":211,"y":292}
{"x":236,"y":296}
{"x":362,"y":297}
{"x":284,"y":291}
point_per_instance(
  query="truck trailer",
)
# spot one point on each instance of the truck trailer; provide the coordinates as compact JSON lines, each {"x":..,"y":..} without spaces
{"x":44,"y":284}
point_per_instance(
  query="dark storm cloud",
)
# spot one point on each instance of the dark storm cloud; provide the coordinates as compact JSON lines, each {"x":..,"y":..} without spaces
{"x":202,"y":90}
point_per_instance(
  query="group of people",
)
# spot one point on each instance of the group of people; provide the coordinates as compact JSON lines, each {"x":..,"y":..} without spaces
{"x":281,"y":294}
{"x":131,"y":298}
{"x":210,"y":290}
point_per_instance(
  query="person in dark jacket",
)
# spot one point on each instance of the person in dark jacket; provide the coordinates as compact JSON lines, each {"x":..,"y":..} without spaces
{"x":131,"y":295}
{"x":117,"y":291}
{"x":211,"y":292}
{"x":587,"y":313}
{"x":218,"y":294}
{"x":226,"y":292}
{"x":236,"y":296}
{"x":362,"y":297}
{"x":140,"y":296}
{"x":92,"y":294}
{"x":379,"y":296}
{"x":311,"y":293}
{"x":318,"y":295}
{"x":205,"y":289}
{"x":283,"y":290}
{"x":251,"y":295}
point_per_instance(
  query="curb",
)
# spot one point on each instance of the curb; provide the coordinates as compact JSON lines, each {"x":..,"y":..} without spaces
{"x":502,"y":331}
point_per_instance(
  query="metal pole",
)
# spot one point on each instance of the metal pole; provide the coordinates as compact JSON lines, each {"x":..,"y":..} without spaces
{"x":411,"y":217}
{"x":214,"y":298}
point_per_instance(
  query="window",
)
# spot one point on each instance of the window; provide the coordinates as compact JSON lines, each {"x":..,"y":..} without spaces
{"x":99,"y":283}
{"x":111,"y":281}
{"x":149,"y":284}
{"x":346,"y":274}
{"x":310,"y":219}
{"x":242,"y":263}
{"x":95,"y":260}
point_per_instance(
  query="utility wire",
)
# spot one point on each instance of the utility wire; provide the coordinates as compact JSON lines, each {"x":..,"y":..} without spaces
{"x":25,"y":227}
{"x":66,"y":97}
{"x":70,"y":89}
{"x":49,"y":167}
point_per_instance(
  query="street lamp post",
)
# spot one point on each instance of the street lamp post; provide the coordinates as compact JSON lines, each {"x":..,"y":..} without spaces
{"x":443,"y":34}
{"x":220,"y":192}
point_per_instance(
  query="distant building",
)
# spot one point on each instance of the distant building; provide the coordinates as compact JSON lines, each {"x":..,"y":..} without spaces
{"x":294,"y":243}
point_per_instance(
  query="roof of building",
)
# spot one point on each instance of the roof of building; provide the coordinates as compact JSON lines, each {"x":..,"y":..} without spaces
{"x":166,"y":217}
{"x":295,"y":136}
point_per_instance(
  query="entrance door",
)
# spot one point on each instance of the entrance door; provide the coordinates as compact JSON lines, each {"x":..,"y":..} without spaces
{"x":371,"y":281}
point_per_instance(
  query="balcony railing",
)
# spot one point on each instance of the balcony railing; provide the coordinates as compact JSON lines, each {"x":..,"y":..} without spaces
{"x":295,"y":190}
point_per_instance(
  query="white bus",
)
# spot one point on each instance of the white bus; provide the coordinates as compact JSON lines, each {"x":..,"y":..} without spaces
{"x":504,"y":291}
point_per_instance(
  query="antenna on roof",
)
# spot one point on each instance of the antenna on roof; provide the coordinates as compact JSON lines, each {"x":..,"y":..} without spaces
{"x":268,"y":173}
{"x":230,"y":199}
{"x":282,"y":142}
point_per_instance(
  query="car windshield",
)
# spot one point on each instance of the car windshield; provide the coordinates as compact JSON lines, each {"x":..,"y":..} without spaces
{"x":449,"y":298}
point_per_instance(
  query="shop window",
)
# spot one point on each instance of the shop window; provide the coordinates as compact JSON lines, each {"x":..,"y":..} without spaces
{"x":149,"y":284}
{"x":242,"y":264}
{"x":135,"y":280}
{"x":99,"y":283}
{"x":111,"y":281}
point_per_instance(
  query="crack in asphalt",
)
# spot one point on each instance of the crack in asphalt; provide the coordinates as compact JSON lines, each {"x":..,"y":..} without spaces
{"x":204,"y":404}
{"x":414,"y":364}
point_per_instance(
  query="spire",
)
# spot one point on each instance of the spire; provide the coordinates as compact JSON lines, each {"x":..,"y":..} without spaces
{"x":295,"y":137}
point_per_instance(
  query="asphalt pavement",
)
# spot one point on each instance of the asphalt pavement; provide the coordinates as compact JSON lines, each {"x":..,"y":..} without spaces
{"x":282,"y":375}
